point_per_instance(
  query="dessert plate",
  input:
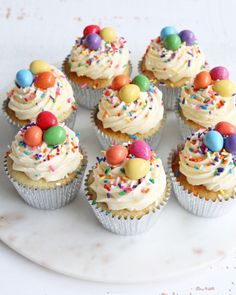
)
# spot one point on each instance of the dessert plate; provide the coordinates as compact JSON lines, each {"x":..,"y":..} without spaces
{"x":72,"y":242}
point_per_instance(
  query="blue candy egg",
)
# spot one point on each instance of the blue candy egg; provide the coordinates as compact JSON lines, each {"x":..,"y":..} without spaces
{"x":24,"y":78}
{"x":167,"y":31}
{"x":214,"y":141}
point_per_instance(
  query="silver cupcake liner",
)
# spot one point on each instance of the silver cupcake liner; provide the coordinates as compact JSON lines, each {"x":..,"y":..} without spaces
{"x":52,"y":198}
{"x":127,"y":226}
{"x":195,"y":204}
{"x":70,"y":121}
{"x":106,"y":141}
{"x":85,"y":96}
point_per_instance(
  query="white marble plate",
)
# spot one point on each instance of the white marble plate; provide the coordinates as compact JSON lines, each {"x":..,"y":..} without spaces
{"x":71,"y":241}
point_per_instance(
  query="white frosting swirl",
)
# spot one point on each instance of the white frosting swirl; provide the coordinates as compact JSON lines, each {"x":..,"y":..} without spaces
{"x":108,"y":61}
{"x":166,"y":64}
{"x":215,"y":170}
{"x":28,"y":102}
{"x":206,"y":107}
{"x":43,"y":162}
{"x":125,"y":193}
{"x":138,"y":117}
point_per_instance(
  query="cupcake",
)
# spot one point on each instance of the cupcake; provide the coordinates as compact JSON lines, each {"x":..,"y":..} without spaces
{"x":206,"y":100}
{"x":95,"y":59}
{"x":128,"y":111}
{"x":203,"y":171}
{"x":171,"y":60}
{"x":41,"y":88}
{"x":45,"y":163}
{"x":128,"y":188}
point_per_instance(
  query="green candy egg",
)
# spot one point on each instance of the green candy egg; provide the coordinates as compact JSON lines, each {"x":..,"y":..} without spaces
{"x":172,"y":42}
{"x":55,"y":135}
{"x":142,"y":82}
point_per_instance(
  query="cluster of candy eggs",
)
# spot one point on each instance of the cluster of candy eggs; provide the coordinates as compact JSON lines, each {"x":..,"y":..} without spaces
{"x":46,"y":129}
{"x":223,"y":136}
{"x":38,"y":73}
{"x":138,"y":153}
{"x":218,"y":77}
{"x":129,"y":91}
{"x":173,"y":40}
{"x":93,"y":36}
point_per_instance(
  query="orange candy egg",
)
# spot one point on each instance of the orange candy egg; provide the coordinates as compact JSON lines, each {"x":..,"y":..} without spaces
{"x":202,"y":80}
{"x":33,"y":136}
{"x":116,"y":154}
{"x":120,"y":81}
{"x":44,"y":80}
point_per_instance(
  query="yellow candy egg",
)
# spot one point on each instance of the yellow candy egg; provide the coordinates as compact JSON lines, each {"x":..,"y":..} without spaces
{"x":136,"y":168}
{"x":224,"y":87}
{"x":129,"y":93}
{"x":108,"y":34}
{"x":39,"y":66}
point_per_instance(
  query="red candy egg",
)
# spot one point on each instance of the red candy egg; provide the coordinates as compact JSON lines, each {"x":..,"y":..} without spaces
{"x":116,"y":154}
{"x":91,"y":29}
{"x":202,"y":80}
{"x":44,"y":80}
{"x":225,"y":128}
{"x":33,"y":136}
{"x":46,"y":120}
{"x":120,"y":81}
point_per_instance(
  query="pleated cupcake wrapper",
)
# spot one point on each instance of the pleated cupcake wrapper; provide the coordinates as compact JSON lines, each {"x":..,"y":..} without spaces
{"x":127,"y":226}
{"x":185,"y":130}
{"x":85,"y":96}
{"x":70,"y":121}
{"x":52,"y":198}
{"x":195,"y":204}
{"x":169,"y":93}
{"x":106,"y":141}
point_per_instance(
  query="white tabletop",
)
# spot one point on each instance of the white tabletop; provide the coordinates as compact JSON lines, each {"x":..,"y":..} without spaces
{"x":39,"y":29}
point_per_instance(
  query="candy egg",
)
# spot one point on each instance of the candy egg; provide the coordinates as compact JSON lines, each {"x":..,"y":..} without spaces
{"x":46,"y":120}
{"x":116,"y":154}
{"x":44,"y":80}
{"x":214,"y":141}
{"x":188,"y":37}
{"x":108,"y":34}
{"x":33,"y":136}
{"x":225,"y":128}
{"x":224,"y":87}
{"x":167,"y":31}
{"x":55,"y":135}
{"x":230,"y":144}
{"x":202,"y":80}
{"x":93,"y":41}
{"x":39,"y":66}
{"x":219,"y":73}
{"x":24,"y":78}
{"x":136,"y":168}
{"x":142,"y":82}
{"x":91,"y":29}
{"x":172,"y":42}
{"x":129,"y":93}
{"x":120,"y":81}
{"x":140,"y":149}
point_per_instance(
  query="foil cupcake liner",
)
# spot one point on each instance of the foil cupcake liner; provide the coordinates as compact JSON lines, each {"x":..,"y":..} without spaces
{"x":195,"y":204}
{"x":127,"y":226}
{"x":85,"y":96}
{"x":52,"y":198}
{"x":106,"y":141}
{"x":70,"y":121}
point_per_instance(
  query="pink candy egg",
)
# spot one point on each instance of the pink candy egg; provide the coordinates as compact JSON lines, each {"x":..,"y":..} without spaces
{"x":140,"y":149}
{"x":225,"y":128}
{"x":116,"y":154}
{"x":219,"y":73}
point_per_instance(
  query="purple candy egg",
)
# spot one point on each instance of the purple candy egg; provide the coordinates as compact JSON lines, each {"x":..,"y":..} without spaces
{"x":93,"y":41}
{"x":219,"y":73}
{"x":140,"y":149}
{"x":188,"y":37}
{"x":230,"y":144}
